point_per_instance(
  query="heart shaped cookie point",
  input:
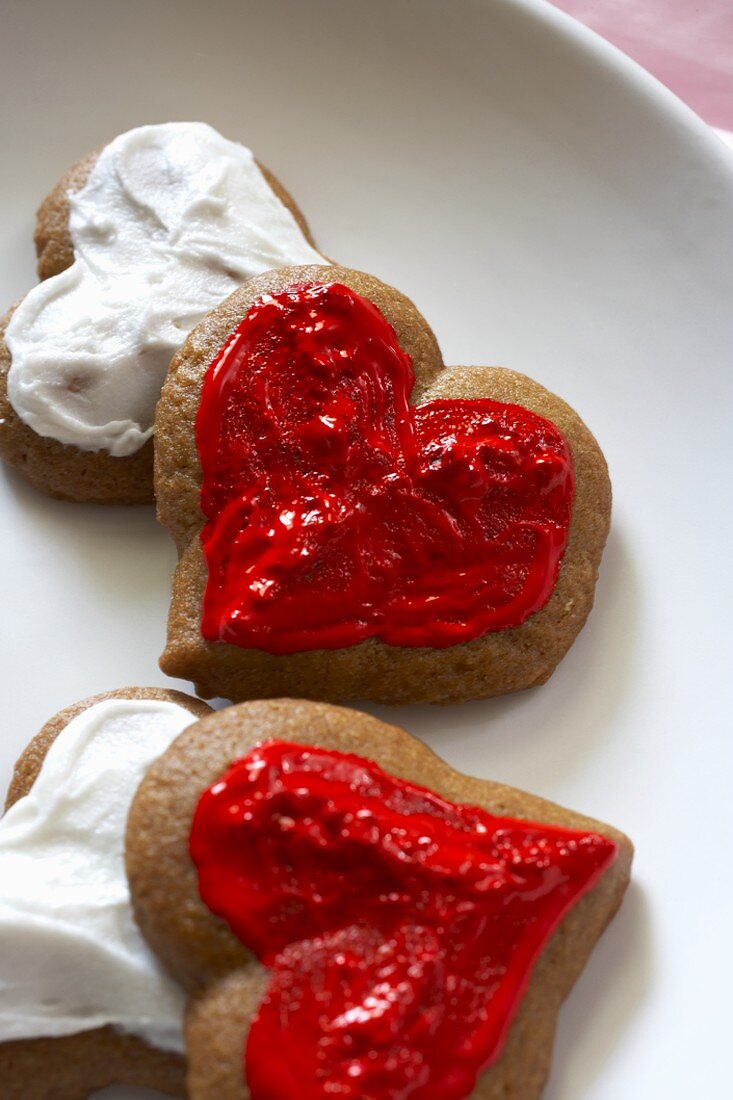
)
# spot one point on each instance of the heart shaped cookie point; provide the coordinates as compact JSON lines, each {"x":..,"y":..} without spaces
{"x":336,"y":511}
{"x":403,"y":985}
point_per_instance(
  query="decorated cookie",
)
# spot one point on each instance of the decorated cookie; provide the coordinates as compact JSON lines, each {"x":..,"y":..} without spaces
{"x":353,"y":918}
{"x":356,"y":520}
{"x":84,"y":1001}
{"x":135,"y":245}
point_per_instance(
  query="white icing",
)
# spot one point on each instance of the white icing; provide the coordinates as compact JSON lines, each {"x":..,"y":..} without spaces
{"x":171,"y":220}
{"x":72,"y":958}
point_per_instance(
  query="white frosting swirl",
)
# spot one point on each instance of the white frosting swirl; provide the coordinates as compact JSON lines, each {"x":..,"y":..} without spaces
{"x":72,"y":957}
{"x":171,"y":220}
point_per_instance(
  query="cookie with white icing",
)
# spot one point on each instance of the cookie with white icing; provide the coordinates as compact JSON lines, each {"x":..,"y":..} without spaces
{"x":135,"y":244}
{"x":83,"y":1002}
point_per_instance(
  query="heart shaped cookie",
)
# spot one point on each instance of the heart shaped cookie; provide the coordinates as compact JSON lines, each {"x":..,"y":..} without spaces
{"x":85,"y":1003}
{"x":351,"y":917}
{"x":356,"y":520}
{"x":135,"y":243}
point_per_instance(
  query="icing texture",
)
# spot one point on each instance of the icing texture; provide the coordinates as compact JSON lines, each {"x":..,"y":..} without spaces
{"x":72,"y":956}
{"x":171,"y":220}
{"x":337,"y":511}
{"x":400,"y":928}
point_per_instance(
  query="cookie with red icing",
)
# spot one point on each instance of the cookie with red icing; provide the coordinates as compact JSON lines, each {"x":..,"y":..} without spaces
{"x":352,"y":917}
{"x":356,"y":520}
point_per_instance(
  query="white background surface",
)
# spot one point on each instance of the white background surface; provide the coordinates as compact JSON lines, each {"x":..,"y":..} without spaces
{"x":549,"y":208}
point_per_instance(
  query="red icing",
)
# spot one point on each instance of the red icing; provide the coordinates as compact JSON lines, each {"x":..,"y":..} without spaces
{"x":337,"y":511}
{"x":400,"y":928}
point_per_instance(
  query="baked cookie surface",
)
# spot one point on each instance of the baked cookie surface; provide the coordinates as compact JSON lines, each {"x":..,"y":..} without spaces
{"x":68,"y":953}
{"x":82,"y":456}
{"x":494,"y":662}
{"x":227,"y":983}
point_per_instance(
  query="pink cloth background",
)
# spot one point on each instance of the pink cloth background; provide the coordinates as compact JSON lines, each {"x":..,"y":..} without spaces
{"x":687,"y":44}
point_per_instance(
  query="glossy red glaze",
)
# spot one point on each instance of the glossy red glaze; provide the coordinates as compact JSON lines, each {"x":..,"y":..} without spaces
{"x":337,"y":511}
{"x":400,"y":928}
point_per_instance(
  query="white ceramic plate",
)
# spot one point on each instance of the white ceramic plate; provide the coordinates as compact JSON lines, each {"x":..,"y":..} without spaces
{"x":551,"y":208}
